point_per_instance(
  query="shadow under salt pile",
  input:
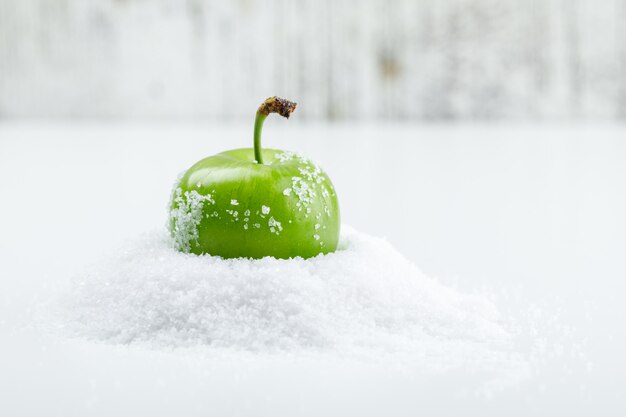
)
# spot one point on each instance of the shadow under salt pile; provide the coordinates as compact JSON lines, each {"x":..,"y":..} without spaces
{"x":366,"y":300}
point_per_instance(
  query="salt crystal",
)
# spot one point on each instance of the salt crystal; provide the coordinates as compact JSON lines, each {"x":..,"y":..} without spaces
{"x":275,"y":226}
{"x":186,"y":215}
{"x":364,"y":298}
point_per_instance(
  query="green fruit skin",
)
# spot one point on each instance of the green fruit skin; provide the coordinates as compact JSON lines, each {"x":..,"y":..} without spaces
{"x":228,"y":205}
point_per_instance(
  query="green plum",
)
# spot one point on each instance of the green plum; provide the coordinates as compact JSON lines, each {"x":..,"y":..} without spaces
{"x":255,"y":202}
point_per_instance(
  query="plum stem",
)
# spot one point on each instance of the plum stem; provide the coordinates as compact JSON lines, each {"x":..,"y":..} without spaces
{"x":271,"y":105}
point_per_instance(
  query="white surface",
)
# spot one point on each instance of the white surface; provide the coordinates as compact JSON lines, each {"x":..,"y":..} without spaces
{"x":536,"y":214}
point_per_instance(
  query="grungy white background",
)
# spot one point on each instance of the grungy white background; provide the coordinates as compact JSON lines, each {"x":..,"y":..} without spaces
{"x":352,"y":59}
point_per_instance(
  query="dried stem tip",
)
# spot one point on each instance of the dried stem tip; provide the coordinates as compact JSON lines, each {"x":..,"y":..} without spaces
{"x":277,"y":105}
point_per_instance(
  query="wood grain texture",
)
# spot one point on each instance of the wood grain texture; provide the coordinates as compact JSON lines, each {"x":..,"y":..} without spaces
{"x":399,"y":60}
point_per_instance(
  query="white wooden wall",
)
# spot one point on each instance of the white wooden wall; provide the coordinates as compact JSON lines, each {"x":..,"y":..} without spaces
{"x":340,"y":59}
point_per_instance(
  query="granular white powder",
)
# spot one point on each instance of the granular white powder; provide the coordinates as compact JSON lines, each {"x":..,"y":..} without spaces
{"x":365,"y":298}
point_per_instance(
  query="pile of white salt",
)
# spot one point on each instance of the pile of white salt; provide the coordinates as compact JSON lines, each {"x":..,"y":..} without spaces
{"x":364,"y":299}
